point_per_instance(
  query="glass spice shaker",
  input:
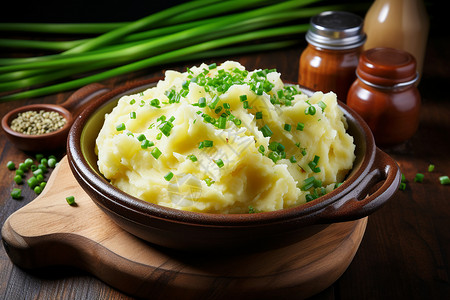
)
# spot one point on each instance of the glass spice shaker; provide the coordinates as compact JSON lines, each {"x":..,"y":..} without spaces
{"x":385,"y":94}
{"x":335,"y":40}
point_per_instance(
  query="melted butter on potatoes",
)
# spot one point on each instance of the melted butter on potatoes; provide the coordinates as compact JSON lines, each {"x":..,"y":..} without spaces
{"x":221,"y":139}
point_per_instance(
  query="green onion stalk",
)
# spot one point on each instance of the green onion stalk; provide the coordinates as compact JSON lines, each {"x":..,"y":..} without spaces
{"x":189,"y":31}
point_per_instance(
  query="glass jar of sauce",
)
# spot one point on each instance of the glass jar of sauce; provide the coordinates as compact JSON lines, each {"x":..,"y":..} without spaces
{"x":335,"y":40}
{"x":385,"y":94}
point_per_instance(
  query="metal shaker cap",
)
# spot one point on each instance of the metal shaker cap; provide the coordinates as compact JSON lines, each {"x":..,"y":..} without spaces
{"x":337,"y":30}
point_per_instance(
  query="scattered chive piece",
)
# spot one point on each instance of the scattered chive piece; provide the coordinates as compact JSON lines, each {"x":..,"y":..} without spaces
{"x":37,"y":172}
{"x":23,"y":167}
{"x":419,"y":177}
{"x":337,"y":184}
{"x":132,"y":115}
{"x":261,"y":149}
{"x":28,"y":162}
{"x":18,"y":179}
{"x":243,"y":98}
{"x":32,"y":182}
{"x":44,"y":162}
{"x":120,"y":127}
{"x":266,"y":131}
{"x":10,"y":165}
{"x":33,"y":168}
{"x":192,"y":157}
{"x":403,"y":178}
{"x":168,"y":176}
{"x":226,"y":106}
{"x":212,"y":66}
{"x":293,"y":159}
{"x":20,"y":172}
{"x":208,"y":181}
{"x":245,"y":104}
{"x":322,"y":105}
{"x":155,"y":103}
{"x":132,"y":101}
{"x":222,"y":123}
{"x":444,"y":180}
{"x":141,"y":137}
{"x":205,"y":144}
{"x":51,"y":162}
{"x":431,"y":168}
{"x":300,"y":126}
{"x":16,"y":193}
{"x":402,"y":186}
{"x":40,"y":178}
{"x":259,"y":115}
{"x":37,"y":189}
{"x":219,"y":163}
{"x":202,"y":102}
{"x":70,"y":200}
{"x":214,"y":102}
{"x":145,"y":144}
{"x":38,"y":157}
{"x":310,"y":110}
{"x":156,"y":153}
{"x":43,"y":184}
{"x":287,"y":127}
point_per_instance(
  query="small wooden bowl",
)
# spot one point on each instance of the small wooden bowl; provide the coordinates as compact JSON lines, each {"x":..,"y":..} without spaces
{"x":193,"y":231}
{"x":56,"y":139}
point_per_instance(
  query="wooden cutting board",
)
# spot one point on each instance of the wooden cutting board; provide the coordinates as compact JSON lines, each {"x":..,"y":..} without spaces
{"x":49,"y":232}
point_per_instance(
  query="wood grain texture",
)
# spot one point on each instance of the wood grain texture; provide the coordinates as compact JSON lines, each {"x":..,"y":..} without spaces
{"x":49,"y":232}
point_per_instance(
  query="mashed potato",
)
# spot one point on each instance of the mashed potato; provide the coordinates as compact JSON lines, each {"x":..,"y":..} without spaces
{"x":221,"y":139}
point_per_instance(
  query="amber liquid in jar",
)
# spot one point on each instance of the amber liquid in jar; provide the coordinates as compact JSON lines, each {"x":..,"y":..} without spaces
{"x":328,"y":70}
{"x":385,"y":94}
{"x":328,"y":64}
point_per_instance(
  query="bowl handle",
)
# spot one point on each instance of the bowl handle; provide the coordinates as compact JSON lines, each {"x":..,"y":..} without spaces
{"x":363,"y":200}
{"x":81,"y":97}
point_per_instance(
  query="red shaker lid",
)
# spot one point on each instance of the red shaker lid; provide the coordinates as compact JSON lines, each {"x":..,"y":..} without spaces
{"x":386,"y":67}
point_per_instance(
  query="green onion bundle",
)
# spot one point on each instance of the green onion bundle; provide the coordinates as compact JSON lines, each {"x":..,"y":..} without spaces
{"x":193,"y":30}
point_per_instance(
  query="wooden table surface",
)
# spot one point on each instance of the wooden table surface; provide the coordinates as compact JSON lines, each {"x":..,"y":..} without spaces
{"x":405,"y":253}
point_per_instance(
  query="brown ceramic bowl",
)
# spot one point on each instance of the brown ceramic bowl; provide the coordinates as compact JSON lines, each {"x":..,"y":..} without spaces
{"x":373,"y":180}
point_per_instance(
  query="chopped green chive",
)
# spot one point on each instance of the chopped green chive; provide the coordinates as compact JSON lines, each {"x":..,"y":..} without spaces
{"x":208,"y":181}
{"x":166,"y":128}
{"x":132,"y":101}
{"x":156,"y":153}
{"x":37,"y":189}
{"x":155,"y":103}
{"x":300,"y":126}
{"x":402,"y":186}
{"x":259,"y":115}
{"x":20,"y":172}
{"x":18,"y":179}
{"x":146,"y":143}
{"x":322,"y":105}
{"x":214,"y":102}
{"x":403,"y":178}
{"x":10,"y":165}
{"x":226,"y":106}
{"x":141,"y":137}
{"x":159,"y":136}
{"x":70,"y":200}
{"x":308,"y":183}
{"x":419,"y":177}
{"x":310,"y":110}
{"x":266,"y":131}
{"x":444,"y":180}
{"x":212,"y":66}
{"x":16,"y":193}
{"x":120,"y":127}
{"x":287,"y":127}
{"x":261,"y":149}
{"x":168,"y":176}
{"x":51,"y":162}
{"x":313,"y":164}
{"x":243,"y":98}
{"x":205,"y":144}
{"x":132,"y":115}
{"x":202,"y":102}
{"x":292,"y":159}
{"x":222,"y":123}
{"x":431,"y":168}
{"x":192,"y":157}
{"x":219,"y":163}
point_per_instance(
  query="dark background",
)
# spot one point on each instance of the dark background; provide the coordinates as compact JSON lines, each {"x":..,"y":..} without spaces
{"x":129,"y":10}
